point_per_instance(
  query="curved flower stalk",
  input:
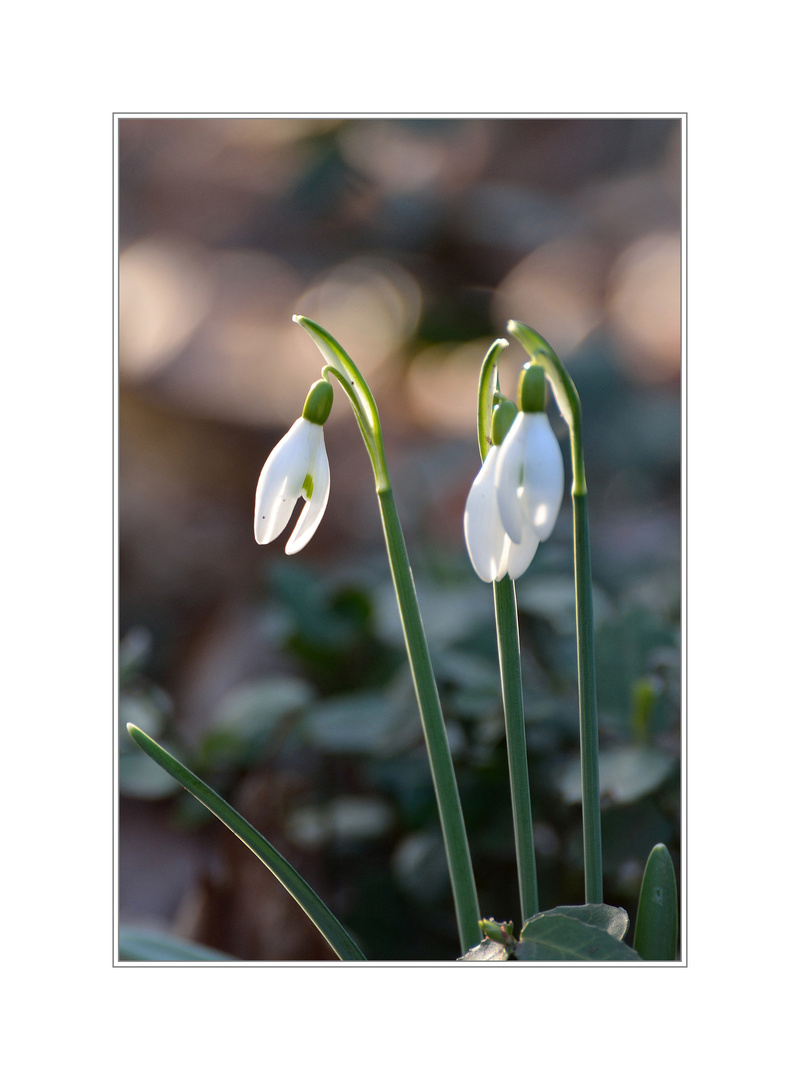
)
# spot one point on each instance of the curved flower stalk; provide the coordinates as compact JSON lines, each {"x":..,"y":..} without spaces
{"x":297,"y":467}
{"x":511,"y":506}
{"x":542,"y":355}
{"x":342,"y":368}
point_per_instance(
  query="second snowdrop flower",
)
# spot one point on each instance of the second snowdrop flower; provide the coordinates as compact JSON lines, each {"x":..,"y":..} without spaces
{"x":491,"y":551}
{"x":297,"y":467}
{"x":529,"y":475}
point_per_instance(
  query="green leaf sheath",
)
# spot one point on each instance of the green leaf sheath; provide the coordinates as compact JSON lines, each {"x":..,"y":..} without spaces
{"x":656,"y":934}
{"x":505,"y":602}
{"x":325,"y":921}
{"x":441,"y":763}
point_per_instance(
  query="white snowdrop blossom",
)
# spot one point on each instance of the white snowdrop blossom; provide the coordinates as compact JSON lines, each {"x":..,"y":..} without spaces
{"x":491,"y":550}
{"x":297,"y":467}
{"x":516,"y":496}
{"x":529,"y":477}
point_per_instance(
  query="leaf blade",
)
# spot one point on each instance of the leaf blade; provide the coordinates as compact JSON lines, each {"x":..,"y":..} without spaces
{"x":553,"y":936}
{"x":614,"y":920}
{"x":297,"y":887}
{"x":150,"y":946}
{"x":656,"y":934}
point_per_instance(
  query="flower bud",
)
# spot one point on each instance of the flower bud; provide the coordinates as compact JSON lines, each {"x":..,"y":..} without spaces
{"x":319,"y":402}
{"x":503,"y":416}
{"x":502,"y":932}
{"x":531,"y":391}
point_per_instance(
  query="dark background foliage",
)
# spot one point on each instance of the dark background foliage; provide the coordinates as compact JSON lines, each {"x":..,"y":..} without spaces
{"x":282,"y":681}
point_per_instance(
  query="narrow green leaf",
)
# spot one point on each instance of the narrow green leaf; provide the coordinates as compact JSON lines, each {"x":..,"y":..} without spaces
{"x":656,"y":935}
{"x":325,"y":921}
{"x":149,"y":945}
{"x":553,"y":936}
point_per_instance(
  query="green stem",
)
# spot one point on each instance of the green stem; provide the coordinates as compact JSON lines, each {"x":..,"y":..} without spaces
{"x":505,"y":606}
{"x":587,"y":696}
{"x":322,"y":917}
{"x":507,"y":622}
{"x":459,"y":863}
{"x":441,"y":762}
{"x":569,"y":403}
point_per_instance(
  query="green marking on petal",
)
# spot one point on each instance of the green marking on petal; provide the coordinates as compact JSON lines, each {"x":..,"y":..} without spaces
{"x":308,"y":486}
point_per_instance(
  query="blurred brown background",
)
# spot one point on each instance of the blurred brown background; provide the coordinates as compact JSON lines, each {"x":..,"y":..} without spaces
{"x":412,"y":241}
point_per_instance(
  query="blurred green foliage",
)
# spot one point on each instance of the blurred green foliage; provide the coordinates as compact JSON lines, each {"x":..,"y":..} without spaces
{"x":349,"y":715}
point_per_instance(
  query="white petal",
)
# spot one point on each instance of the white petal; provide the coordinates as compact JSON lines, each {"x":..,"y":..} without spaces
{"x":280,"y":484}
{"x":315,"y":507}
{"x":521,"y":555}
{"x":486,"y":538}
{"x":508,"y":478}
{"x":543,"y":475}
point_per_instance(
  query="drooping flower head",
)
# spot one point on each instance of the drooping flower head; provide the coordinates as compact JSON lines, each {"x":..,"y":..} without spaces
{"x":297,"y":467}
{"x":515,"y":498}
{"x":491,"y":550}
{"x":530,"y":469}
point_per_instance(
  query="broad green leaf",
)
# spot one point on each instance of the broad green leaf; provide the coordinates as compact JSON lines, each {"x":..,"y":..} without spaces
{"x":553,"y":936}
{"x":614,"y":920}
{"x":152,"y":946}
{"x":250,"y":718}
{"x":626,"y":649}
{"x":361,"y":723}
{"x":134,"y":649}
{"x":656,"y":936}
{"x":344,"y":819}
{"x":141,"y":778}
{"x":419,"y":864}
{"x":324,"y":919}
{"x":626,"y":774}
{"x":256,"y":707}
{"x":553,"y":600}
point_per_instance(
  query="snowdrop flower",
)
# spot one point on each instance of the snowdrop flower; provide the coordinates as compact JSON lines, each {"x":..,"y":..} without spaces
{"x":515,"y":498}
{"x":491,"y":550}
{"x":530,"y":471}
{"x":298,"y":466}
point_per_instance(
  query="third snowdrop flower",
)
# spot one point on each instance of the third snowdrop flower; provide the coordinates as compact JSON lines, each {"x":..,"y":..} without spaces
{"x":529,"y":474}
{"x":516,"y":496}
{"x":491,"y":550}
{"x":297,"y":467}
